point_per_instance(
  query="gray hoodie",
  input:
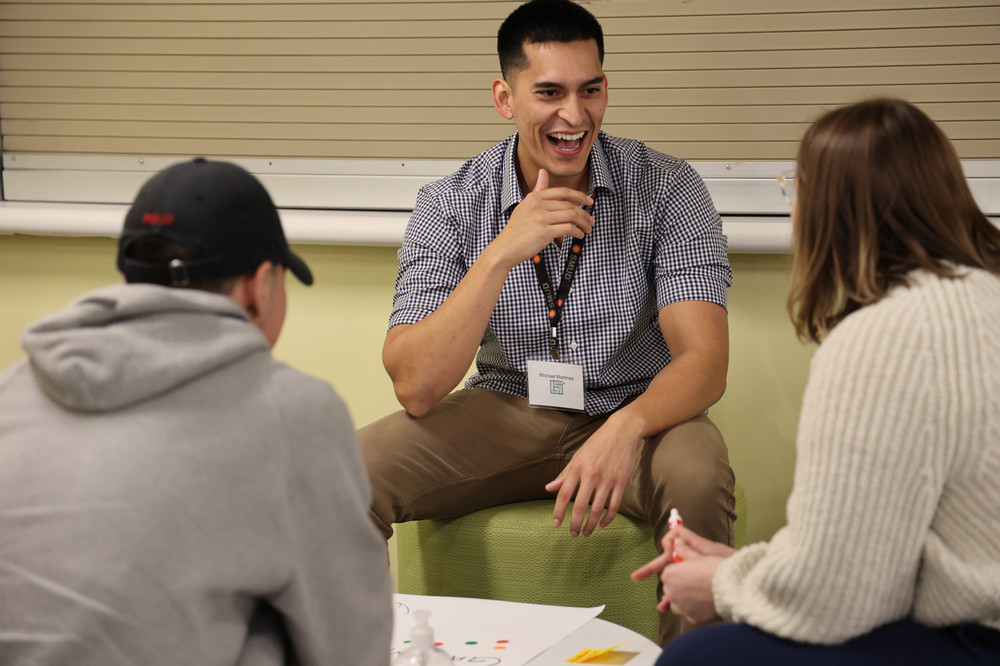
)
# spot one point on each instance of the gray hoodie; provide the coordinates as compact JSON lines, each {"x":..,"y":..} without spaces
{"x":164,"y":482}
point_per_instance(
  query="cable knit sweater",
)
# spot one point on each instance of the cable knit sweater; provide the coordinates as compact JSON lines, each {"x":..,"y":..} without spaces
{"x":895,"y":509}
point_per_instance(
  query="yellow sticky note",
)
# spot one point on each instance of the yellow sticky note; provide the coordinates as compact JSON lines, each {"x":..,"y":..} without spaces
{"x":587,"y":654}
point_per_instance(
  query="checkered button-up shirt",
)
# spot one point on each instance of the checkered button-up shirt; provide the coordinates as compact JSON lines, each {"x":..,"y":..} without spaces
{"x":657,"y":239}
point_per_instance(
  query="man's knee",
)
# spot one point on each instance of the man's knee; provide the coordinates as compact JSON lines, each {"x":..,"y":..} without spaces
{"x":379,"y":440}
{"x":689,"y":470}
{"x":691,"y":456}
{"x":380,"y":443}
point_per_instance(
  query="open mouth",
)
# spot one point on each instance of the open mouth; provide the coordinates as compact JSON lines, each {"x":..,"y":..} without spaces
{"x":566,"y":143}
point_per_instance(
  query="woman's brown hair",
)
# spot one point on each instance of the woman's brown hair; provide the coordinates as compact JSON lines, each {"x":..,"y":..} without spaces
{"x":880,"y":193}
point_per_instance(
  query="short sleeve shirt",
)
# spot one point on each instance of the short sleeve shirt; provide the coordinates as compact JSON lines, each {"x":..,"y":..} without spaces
{"x":657,"y":239}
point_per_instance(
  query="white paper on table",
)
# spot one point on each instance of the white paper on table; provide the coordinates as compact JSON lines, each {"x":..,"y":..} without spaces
{"x":485,"y":631}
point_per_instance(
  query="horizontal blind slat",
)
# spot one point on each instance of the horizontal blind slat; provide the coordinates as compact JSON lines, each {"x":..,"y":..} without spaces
{"x":448,"y":115}
{"x":251,"y":81}
{"x":734,"y":42}
{"x":443,"y":27}
{"x":776,"y":58}
{"x":620,"y":7}
{"x":769,"y":96}
{"x":416,"y":9}
{"x":694,"y":150}
{"x":430,"y":133}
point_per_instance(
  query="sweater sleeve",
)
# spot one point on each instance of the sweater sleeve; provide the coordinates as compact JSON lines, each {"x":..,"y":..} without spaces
{"x":869,"y":472}
{"x":337,"y":605}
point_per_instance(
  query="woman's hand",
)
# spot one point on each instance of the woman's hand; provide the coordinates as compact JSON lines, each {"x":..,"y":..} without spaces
{"x":687,"y":582}
{"x":687,"y":585}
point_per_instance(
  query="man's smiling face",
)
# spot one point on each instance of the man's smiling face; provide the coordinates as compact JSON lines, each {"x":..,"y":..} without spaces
{"x":557,"y":103}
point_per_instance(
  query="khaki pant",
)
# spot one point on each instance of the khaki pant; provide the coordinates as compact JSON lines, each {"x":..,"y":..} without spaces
{"x":479,"y":448}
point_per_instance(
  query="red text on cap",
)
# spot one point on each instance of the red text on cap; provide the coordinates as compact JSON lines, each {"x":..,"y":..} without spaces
{"x":158,"y":219}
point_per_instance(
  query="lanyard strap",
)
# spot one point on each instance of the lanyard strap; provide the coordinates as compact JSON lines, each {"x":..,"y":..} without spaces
{"x":555,"y":299}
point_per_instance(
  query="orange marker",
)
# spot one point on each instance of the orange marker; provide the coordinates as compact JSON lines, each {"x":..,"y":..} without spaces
{"x":672,"y":522}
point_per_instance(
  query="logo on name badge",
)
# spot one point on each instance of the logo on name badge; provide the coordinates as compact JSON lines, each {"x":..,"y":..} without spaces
{"x":556,"y":386}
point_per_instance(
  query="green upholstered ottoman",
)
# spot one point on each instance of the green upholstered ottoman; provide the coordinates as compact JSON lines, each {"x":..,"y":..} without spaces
{"x":513,"y":553}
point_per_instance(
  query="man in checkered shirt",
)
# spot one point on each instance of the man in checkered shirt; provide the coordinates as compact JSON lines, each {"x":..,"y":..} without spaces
{"x":645,"y":322}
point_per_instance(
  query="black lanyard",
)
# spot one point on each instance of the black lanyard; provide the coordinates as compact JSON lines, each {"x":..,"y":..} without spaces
{"x":555,"y":299}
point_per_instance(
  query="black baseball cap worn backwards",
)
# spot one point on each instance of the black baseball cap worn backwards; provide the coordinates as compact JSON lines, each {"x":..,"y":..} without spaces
{"x":216,"y":210}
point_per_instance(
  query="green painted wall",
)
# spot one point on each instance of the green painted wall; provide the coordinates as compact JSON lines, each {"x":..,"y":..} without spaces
{"x":334,"y":330}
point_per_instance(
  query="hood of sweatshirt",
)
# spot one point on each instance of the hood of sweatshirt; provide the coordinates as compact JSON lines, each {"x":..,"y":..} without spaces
{"x":124,"y":344}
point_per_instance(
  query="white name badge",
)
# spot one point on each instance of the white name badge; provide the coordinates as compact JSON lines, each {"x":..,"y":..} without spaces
{"x":555,"y":385}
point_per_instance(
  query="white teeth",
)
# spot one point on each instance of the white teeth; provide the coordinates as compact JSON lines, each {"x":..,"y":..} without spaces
{"x":567,"y":137}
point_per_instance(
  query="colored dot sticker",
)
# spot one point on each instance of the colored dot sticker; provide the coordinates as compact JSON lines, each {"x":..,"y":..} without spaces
{"x":537,"y":258}
{"x":472,"y":642}
{"x":576,"y":249}
{"x":552,"y":314}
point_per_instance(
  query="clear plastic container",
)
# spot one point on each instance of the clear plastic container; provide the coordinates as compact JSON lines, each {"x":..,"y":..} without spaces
{"x":422,"y":651}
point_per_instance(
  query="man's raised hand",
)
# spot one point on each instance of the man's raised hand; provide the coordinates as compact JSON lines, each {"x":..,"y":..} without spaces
{"x":544,"y":215}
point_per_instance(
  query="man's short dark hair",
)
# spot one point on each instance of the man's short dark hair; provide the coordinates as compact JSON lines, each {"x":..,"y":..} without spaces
{"x":540,"y":21}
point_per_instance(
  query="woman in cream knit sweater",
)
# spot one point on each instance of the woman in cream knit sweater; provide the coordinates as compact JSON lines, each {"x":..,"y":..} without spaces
{"x":891,"y":553}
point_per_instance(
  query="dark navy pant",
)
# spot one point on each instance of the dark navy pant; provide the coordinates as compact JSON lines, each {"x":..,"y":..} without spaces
{"x":899,"y":643}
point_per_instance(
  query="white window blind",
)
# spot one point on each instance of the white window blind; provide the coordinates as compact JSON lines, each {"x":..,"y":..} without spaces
{"x":93,"y":93}
{"x":722,"y":80}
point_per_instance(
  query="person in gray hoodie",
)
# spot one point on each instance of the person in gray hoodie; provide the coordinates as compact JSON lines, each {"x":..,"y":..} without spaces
{"x":169,"y":492}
